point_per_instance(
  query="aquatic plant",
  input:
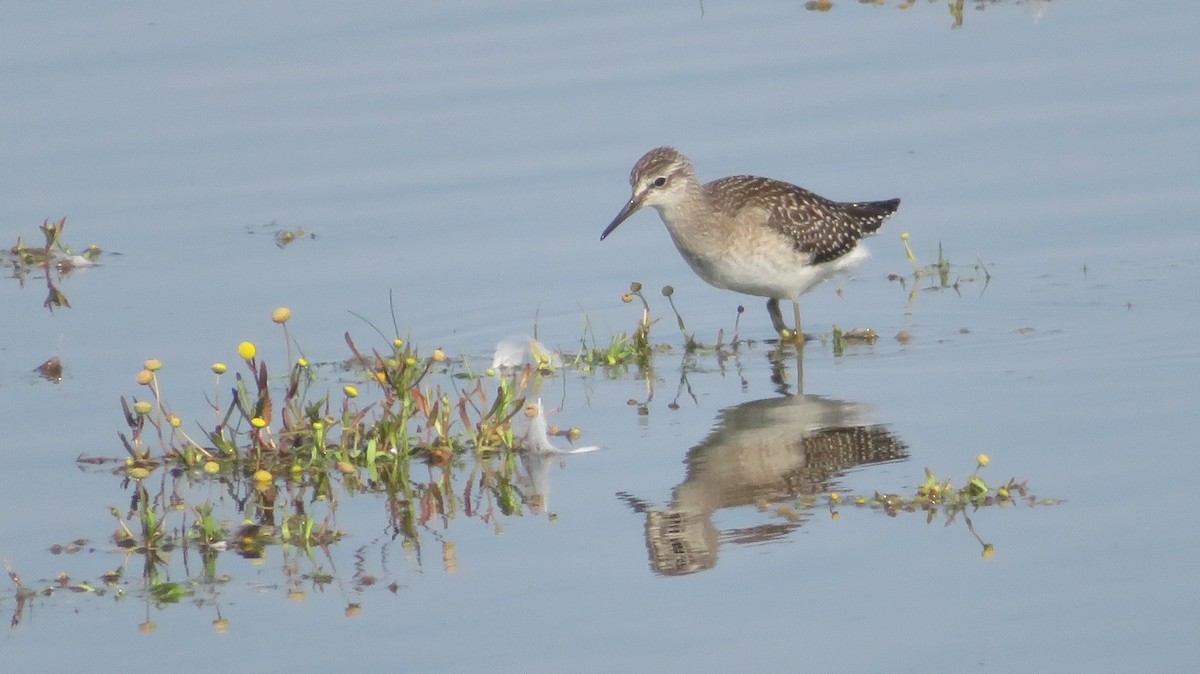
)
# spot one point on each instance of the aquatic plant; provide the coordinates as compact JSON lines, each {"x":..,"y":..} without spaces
{"x":54,"y":260}
{"x":941,"y":499}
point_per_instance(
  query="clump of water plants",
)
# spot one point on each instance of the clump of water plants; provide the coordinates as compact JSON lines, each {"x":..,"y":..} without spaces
{"x":637,"y":348}
{"x":283,"y":427}
{"x":955,"y":7}
{"x":939,"y":274}
{"x":286,"y":451}
{"x":942,"y":499}
{"x":623,"y":348}
{"x":53,"y":261}
{"x":279,"y":454}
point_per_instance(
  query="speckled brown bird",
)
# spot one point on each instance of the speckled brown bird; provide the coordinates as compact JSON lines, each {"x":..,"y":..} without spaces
{"x":754,"y":235}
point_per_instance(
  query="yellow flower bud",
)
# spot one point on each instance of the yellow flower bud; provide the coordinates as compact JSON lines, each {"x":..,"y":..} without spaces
{"x":153,"y":364}
{"x":142,"y":407}
{"x":219,"y":368}
{"x":350,"y":391}
{"x":145,"y":377}
{"x":281,"y":315}
{"x":247,"y":350}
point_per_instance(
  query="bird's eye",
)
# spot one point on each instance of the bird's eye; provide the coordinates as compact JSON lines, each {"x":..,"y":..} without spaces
{"x":660,"y":181}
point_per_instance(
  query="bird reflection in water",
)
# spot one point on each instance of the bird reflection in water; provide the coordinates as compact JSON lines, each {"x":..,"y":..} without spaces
{"x":766,"y":451}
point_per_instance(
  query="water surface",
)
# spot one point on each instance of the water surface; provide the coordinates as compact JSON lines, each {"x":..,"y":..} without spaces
{"x":467,"y":157}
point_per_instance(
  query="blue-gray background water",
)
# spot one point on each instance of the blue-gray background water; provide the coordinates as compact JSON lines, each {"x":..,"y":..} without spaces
{"x":467,"y":156}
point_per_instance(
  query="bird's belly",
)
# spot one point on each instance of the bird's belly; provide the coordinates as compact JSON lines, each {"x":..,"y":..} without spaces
{"x":780,"y":273}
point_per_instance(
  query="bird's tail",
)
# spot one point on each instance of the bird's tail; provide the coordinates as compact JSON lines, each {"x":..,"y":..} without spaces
{"x":872,"y":213}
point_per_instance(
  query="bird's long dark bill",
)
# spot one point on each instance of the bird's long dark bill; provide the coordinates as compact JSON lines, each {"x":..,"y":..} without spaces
{"x":625,"y":213}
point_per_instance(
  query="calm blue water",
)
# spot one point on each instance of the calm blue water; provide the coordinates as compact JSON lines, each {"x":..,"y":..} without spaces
{"x":467,"y":157}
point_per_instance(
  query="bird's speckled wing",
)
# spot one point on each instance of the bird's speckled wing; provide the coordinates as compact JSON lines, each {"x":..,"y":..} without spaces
{"x":824,"y":228}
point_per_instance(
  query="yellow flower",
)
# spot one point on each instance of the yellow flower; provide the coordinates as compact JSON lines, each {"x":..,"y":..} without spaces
{"x":153,"y":364}
{"x":219,"y":368}
{"x":983,"y":460}
{"x":281,"y":315}
{"x":247,"y":350}
{"x":145,"y":377}
{"x":175,"y":421}
{"x":303,"y":362}
{"x":439,"y":355}
{"x":350,"y":391}
{"x":262,"y":476}
{"x":212,"y":467}
{"x":142,"y":407}
{"x":258,"y":422}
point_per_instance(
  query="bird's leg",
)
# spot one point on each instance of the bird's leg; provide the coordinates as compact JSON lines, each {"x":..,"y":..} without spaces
{"x":776,"y":316}
{"x":799,"y":333}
